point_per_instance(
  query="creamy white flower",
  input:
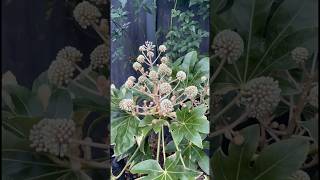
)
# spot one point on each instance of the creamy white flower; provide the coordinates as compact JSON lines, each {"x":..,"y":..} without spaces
{"x":142,"y":79}
{"x":86,"y":14}
{"x":140,"y":58}
{"x":52,"y":135}
{"x":129,"y":83}
{"x":162,"y":48}
{"x":261,"y":95}
{"x":191,"y":91}
{"x":300,"y":54}
{"x":132,"y":78}
{"x":127,"y":105}
{"x":136,"y":66}
{"x":148,"y":46}
{"x":228,"y":45}
{"x":181,"y":75}
{"x":150,"y":54}
{"x":69,"y":53}
{"x":165,"y":88}
{"x":141,"y":48}
{"x":166,"y":106}
{"x":164,"y":70}
{"x":299,"y":175}
{"x":203,"y":78}
{"x":164,"y":60}
{"x":61,"y":72}
{"x":153,"y":75}
{"x":99,"y":57}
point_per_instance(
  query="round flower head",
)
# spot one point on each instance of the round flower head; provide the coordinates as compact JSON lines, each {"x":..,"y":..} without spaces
{"x":165,"y":88}
{"x":181,"y":75}
{"x":300,"y":175}
{"x":162,"y":48}
{"x":60,"y":72}
{"x":136,"y":66}
{"x":86,"y":14}
{"x":131,"y":78}
{"x":300,"y":54}
{"x":52,"y":135}
{"x":148,"y":46}
{"x":228,"y":45}
{"x":142,"y":79}
{"x":164,"y":70}
{"x":191,"y":92}
{"x":126,"y":105}
{"x":142,"y":48}
{"x":69,"y":53}
{"x":129,"y":83}
{"x":140,"y":58}
{"x":203,"y":78}
{"x":99,"y":57}
{"x":150,"y":54}
{"x":164,"y":60}
{"x":261,"y":96}
{"x":313,"y":96}
{"x":153,"y":75}
{"x":166,"y":106}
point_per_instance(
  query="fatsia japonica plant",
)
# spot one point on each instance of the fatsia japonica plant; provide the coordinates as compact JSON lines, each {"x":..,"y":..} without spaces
{"x":264,"y":89}
{"x":48,"y":129}
{"x":159,"y":119}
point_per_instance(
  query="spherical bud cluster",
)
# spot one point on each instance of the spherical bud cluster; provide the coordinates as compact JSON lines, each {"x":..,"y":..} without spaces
{"x":191,"y":92}
{"x":164,"y":60}
{"x":165,"y":88}
{"x":136,"y":66}
{"x":86,"y":14}
{"x":52,"y":135}
{"x":99,"y":57}
{"x":150,"y":54}
{"x":140,"y":58}
{"x":61,"y":72}
{"x":313,"y":96}
{"x":203,"y":79}
{"x":129,"y":83}
{"x":142,"y":79}
{"x":261,"y":96}
{"x":162,"y":48}
{"x":300,"y":175}
{"x":164,"y":70}
{"x":166,"y":106}
{"x":181,"y":75}
{"x":300,"y":54}
{"x":132,"y":78}
{"x":69,"y":53}
{"x":148,"y":46}
{"x":141,"y":48}
{"x":228,"y":45}
{"x":153,"y":75}
{"x":126,"y":105}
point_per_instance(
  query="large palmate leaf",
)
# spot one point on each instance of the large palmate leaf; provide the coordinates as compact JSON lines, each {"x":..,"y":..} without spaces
{"x":194,"y":157}
{"x":60,"y":105}
{"x":277,"y":161}
{"x":123,"y":131}
{"x":190,"y":123}
{"x":172,"y":169}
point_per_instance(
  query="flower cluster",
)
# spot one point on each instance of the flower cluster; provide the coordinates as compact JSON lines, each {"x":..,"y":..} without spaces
{"x":300,"y":175}
{"x":86,"y":14}
{"x":99,"y":57}
{"x":300,"y":54}
{"x":228,"y":45}
{"x":159,"y":84}
{"x":261,"y":95}
{"x":52,"y":135}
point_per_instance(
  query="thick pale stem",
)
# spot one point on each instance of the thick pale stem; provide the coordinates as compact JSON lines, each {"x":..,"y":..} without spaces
{"x":85,"y":88}
{"x":87,"y":143}
{"x":216,"y":73}
{"x":128,"y":163}
{"x":163,"y":145}
{"x":158,"y":147}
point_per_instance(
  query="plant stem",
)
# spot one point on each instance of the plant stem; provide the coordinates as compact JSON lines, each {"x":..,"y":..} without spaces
{"x":227,"y":107}
{"x":85,"y":88}
{"x":216,"y":73}
{"x":92,"y":144}
{"x":158,"y":147}
{"x":85,"y":74}
{"x":163,"y":145}
{"x":127,"y":164}
{"x":96,"y":28}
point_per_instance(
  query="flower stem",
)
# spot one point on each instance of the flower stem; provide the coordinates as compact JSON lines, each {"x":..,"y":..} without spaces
{"x":85,"y":74}
{"x":85,"y":88}
{"x":87,"y":143}
{"x":216,"y":73}
{"x":158,"y":147}
{"x":163,"y":145}
{"x":96,"y":28}
{"x":128,"y":162}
